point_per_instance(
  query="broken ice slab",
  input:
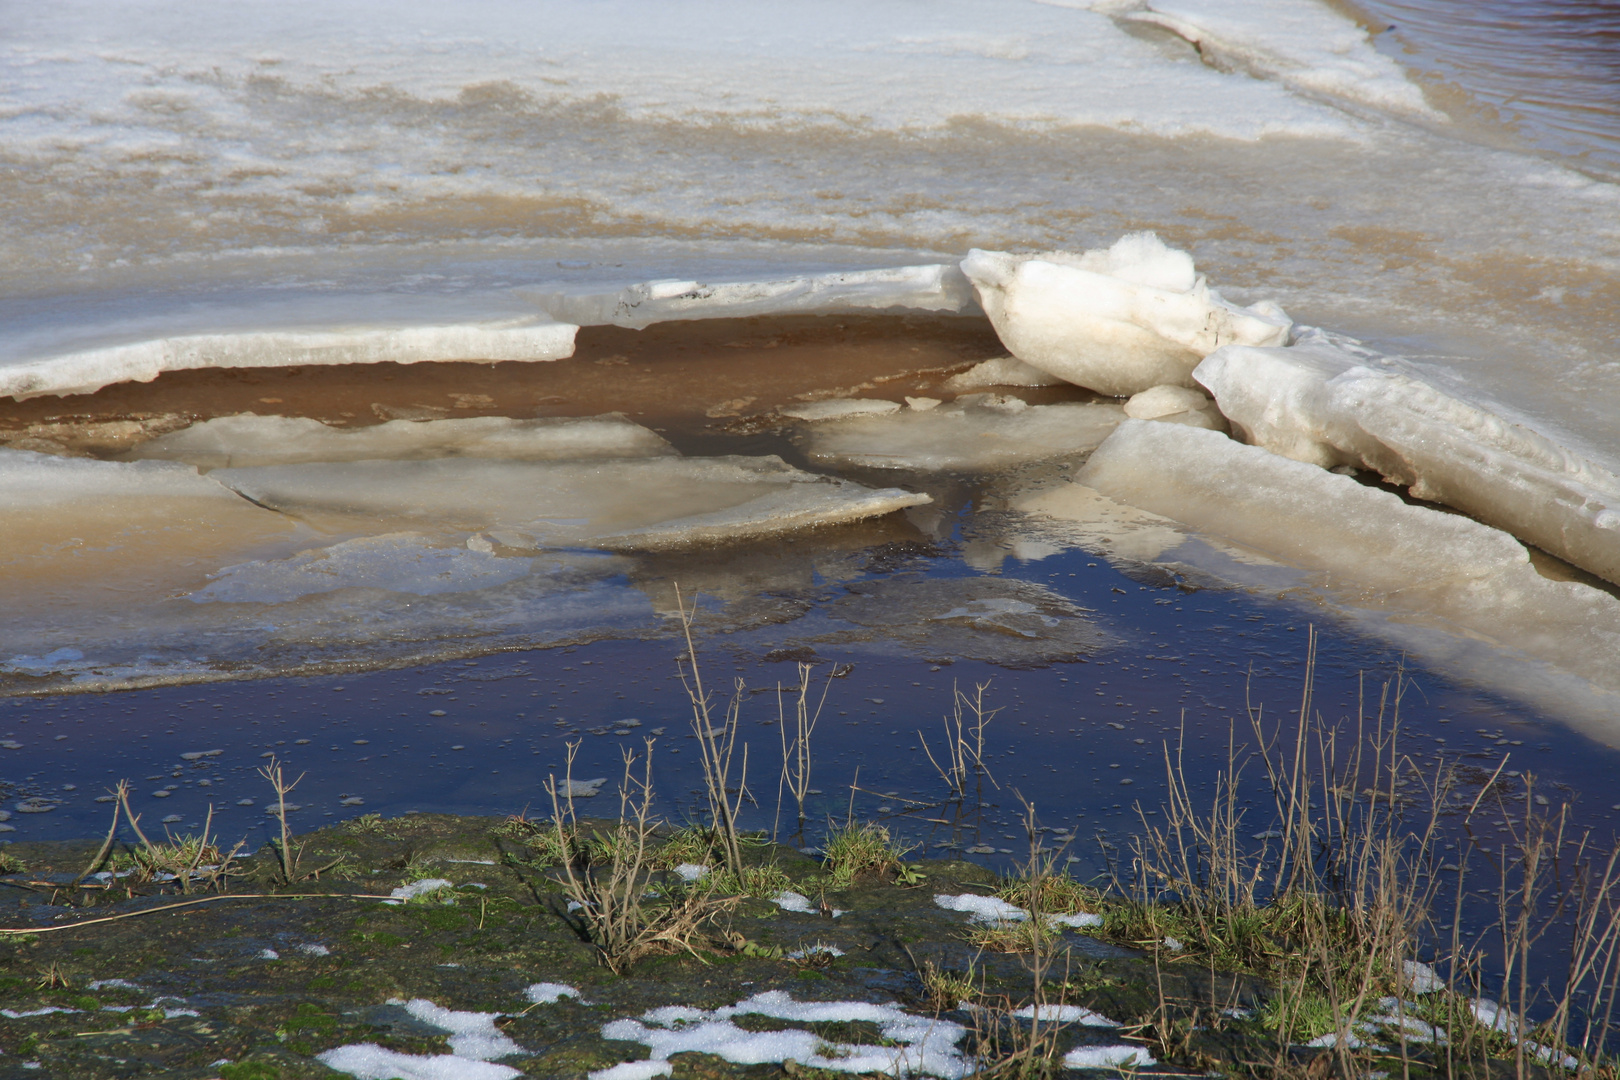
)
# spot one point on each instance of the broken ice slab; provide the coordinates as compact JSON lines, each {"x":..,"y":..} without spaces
{"x":252,"y":441}
{"x":1413,"y":568}
{"x":625,"y":504}
{"x":930,"y":287}
{"x":975,"y":432}
{"x":86,"y":370}
{"x":1002,"y":371}
{"x":1119,"y":320}
{"x":840,"y":408}
{"x":1330,"y":403}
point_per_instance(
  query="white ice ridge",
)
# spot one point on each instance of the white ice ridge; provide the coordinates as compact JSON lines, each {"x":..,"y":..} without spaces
{"x":89,"y":370}
{"x":249,"y":441}
{"x":976,"y":431}
{"x":926,"y":1045}
{"x":1117,"y":320}
{"x":1367,"y":545}
{"x":1322,"y":403}
{"x":932,"y":287}
{"x":617,"y":504}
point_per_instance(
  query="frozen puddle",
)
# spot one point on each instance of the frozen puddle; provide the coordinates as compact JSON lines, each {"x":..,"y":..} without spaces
{"x":976,"y":431}
{"x":622,"y":504}
{"x":924,"y":1045}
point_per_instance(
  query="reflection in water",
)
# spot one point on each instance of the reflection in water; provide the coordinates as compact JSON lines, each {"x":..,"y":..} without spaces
{"x":1548,"y":70}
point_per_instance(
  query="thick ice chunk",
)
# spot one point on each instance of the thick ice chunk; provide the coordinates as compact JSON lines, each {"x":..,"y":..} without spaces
{"x":930,"y":287}
{"x":1119,"y":320}
{"x":1366,"y":545}
{"x":251,"y":441}
{"x":1322,"y":403}
{"x":979,"y":431}
{"x":88,"y":370}
{"x":626,"y":504}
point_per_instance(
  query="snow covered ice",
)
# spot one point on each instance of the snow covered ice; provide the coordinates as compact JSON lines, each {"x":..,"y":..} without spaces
{"x":1119,"y":320}
{"x":1321,"y":402}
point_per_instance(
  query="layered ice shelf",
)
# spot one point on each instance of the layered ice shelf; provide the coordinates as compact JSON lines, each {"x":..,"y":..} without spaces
{"x":1364,"y":545}
{"x":1119,"y":320}
{"x":1328,"y":402}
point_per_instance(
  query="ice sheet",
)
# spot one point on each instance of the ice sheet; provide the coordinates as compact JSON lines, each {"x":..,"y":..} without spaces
{"x":1331,"y":404}
{"x":937,"y":287}
{"x":252,"y":441}
{"x":1119,"y":320}
{"x":151,"y":527}
{"x":629,"y":504}
{"x":89,"y":370}
{"x":1415,"y":566}
{"x":974,"y":432}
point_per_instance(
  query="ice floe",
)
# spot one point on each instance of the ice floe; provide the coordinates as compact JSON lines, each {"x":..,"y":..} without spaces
{"x":1118,"y":320}
{"x":930,"y":287}
{"x":617,"y":504}
{"x":974,"y":432}
{"x":916,"y":1044}
{"x":251,"y":441}
{"x":1330,"y":403}
{"x":88,"y":370}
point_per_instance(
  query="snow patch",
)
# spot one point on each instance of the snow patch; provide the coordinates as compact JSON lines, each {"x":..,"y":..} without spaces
{"x":926,"y":1045}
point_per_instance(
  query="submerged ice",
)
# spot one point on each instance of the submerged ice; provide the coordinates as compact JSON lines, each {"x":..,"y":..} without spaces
{"x":251,"y":441}
{"x":618,"y":504}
